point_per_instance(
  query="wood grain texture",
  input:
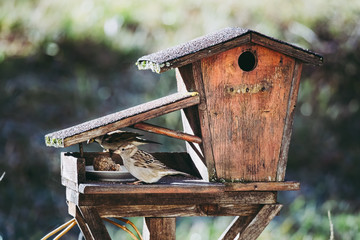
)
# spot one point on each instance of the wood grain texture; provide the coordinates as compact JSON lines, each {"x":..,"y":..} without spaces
{"x":100,"y":126}
{"x":215,"y":43}
{"x":94,"y":223}
{"x":190,"y":120}
{"x":285,"y":143}
{"x":261,"y":220}
{"x":178,"y":210}
{"x":185,"y":187}
{"x":167,"y":132}
{"x":288,"y":49}
{"x":204,"y":119}
{"x":160,"y":228}
{"x":175,"y":199}
{"x":236,"y":227}
{"x":72,"y":168}
{"x":263,"y":186}
{"x":246,"y":128}
{"x":82,"y":224}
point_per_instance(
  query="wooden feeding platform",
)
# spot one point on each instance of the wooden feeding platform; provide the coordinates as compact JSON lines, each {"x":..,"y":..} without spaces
{"x":237,"y":91}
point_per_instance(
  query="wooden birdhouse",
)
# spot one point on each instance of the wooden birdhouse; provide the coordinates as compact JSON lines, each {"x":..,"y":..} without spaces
{"x":237,"y":90}
{"x":248,"y":85}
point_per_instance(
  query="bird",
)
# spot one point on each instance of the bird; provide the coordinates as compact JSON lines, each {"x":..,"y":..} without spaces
{"x":112,"y":140}
{"x":144,"y":166}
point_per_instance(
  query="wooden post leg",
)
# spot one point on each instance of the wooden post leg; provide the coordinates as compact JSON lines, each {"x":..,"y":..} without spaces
{"x":236,"y":227}
{"x":251,"y":227}
{"x":261,"y":220}
{"x":160,"y":228}
{"x":94,"y":222}
{"x":82,"y":225}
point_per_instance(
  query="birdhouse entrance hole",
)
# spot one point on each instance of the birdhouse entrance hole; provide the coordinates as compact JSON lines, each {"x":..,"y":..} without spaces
{"x":247,"y":61}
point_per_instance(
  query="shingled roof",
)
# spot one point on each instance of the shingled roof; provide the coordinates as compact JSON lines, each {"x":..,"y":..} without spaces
{"x":217,"y":42}
{"x":99,"y":126}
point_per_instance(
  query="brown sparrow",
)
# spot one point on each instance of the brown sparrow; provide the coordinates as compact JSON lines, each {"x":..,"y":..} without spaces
{"x":143,"y":165}
{"x":112,"y":140}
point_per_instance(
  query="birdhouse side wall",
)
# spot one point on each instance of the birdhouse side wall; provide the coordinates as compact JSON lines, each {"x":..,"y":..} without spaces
{"x":247,"y":111}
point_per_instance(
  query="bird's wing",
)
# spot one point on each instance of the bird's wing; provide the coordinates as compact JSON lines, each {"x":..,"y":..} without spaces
{"x":120,"y":136}
{"x":146,"y":160}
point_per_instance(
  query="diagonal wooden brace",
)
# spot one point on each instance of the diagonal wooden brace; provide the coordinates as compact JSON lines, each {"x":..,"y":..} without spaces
{"x":95,"y":224}
{"x":251,"y":227}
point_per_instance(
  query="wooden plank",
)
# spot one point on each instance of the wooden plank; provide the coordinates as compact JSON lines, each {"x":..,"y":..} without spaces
{"x":290,"y":50}
{"x":215,"y":43}
{"x":236,"y":226}
{"x":160,"y":228}
{"x":263,"y":186}
{"x":176,"y":199}
{"x":197,"y":55}
{"x":190,"y":120}
{"x":178,"y":210}
{"x":167,"y":132}
{"x":72,"y":168}
{"x":261,"y":220}
{"x":72,"y":195}
{"x":125,"y":118}
{"x":82,"y":224}
{"x":285,"y":143}
{"x":186,"y":187}
{"x":204,"y":120}
{"x":247,"y":110}
{"x":176,"y":187}
{"x":94,"y":223}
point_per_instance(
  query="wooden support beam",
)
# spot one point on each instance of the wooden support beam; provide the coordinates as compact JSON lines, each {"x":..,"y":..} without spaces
{"x":251,"y":226}
{"x":159,"y":228}
{"x":236,"y":226}
{"x":95,"y":223}
{"x":260,"y":221}
{"x":82,"y":225}
{"x":178,"y":210}
{"x":167,"y":132}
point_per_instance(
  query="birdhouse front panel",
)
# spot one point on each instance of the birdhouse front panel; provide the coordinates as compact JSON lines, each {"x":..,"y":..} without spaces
{"x":248,"y":90}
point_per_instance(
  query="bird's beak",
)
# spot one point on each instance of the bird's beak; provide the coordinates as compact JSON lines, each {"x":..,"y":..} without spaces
{"x":90,"y":140}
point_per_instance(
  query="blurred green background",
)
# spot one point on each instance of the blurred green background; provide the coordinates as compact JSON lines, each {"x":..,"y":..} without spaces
{"x":65,"y":62}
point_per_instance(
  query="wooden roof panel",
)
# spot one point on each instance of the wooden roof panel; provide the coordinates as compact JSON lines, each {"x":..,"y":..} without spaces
{"x":220,"y":41}
{"x":121,"y":119}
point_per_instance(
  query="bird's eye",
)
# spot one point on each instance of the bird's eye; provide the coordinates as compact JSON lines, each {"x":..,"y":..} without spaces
{"x":122,"y":149}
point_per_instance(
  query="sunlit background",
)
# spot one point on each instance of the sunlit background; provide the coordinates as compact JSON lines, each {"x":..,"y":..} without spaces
{"x":66,"y":62}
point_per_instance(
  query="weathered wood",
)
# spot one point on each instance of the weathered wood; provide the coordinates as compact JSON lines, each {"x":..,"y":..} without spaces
{"x":177,"y":210}
{"x":187,"y":187}
{"x":160,"y":228}
{"x":167,"y":132}
{"x":190,"y":119}
{"x":204,"y":119}
{"x":125,"y":118}
{"x":219,"y":42}
{"x":82,"y":225}
{"x":236,"y":226}
{"x":175,"y":199}
{"x":94,"y":223}
{"x":176,"y":187}
{"x":288,"y":49}
{"x":72,"y":196}
{"x":247,"y":110}
{"x":285,"y":143}
{"x":263,"y":186}
{"x":261,"y":220}
{"x":72,"y":168}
